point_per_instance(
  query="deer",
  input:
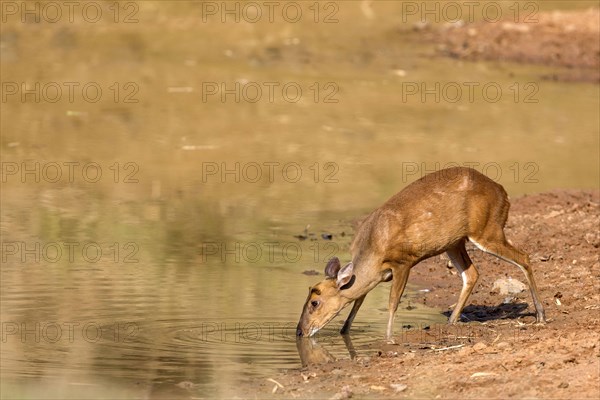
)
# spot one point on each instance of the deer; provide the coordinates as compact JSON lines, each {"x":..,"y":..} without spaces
{"x":437,"y":213}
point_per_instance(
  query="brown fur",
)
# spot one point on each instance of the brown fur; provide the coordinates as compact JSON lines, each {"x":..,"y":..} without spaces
{"x":434,"y":214}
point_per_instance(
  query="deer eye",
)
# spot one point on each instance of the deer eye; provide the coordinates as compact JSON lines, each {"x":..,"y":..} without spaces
{"x":315,"y":303}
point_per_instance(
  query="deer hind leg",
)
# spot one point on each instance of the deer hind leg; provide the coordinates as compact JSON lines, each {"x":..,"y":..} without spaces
{"x":498,"y":246}
{"x":463,"y":264}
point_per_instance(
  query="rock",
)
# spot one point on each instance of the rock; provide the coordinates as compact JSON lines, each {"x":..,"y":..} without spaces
{"x":553,"y":214}
{"x":419,"y":26}
{"x":187,"y":385}
{"x":502,"y":345}
{"x":509,"y":286}
{"x":378,"y":388}
{"x":512,"y":27}
{"x":588,"y":345}
{"x":563,"y":385}
{"x":345,"y":393}
{"x":306,"y":377}
{"x":310,"y":272}
{"x":399,"y":387}
{"x":465,"y":351}
{"x":483,"y":375}
{"x":479,"y":346}
{"x":593,"y":239}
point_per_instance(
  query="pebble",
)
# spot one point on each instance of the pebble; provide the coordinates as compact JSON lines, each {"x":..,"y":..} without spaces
{"x":479,"y":346}
{"x":310,"y":272}
{"x":345,"y":393}
{"x":187,"y":385}
{"x":399,"y":387}
{"x":508,"y":286}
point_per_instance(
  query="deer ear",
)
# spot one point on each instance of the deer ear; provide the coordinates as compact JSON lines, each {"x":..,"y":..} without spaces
{"x":345,"y":275}
{"x":332,"y":268}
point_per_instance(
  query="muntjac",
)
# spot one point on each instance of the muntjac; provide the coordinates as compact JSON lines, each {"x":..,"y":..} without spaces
{"x":435,"y":214}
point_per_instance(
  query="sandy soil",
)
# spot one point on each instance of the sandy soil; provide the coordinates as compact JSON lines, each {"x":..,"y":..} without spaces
{"x":559,"y":38}
{"x":500,"y":352}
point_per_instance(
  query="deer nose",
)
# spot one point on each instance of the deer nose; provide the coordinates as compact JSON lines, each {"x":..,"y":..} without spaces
{"x":298,"y":331}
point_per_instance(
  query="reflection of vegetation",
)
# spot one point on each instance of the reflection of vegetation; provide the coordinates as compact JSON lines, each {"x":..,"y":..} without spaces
{"x":164,"y":231}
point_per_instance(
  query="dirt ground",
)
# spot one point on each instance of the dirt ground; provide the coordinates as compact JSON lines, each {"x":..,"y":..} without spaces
{"x":559,"y":38}
{"x":499,"y":352}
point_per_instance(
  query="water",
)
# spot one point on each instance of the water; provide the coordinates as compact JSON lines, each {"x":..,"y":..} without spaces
{"x":163,"y":260}
{"x":157,"y":325}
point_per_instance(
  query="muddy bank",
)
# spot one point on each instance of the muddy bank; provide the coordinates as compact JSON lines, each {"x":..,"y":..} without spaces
{"x":557,"y":38}
{"x":498,"y":352}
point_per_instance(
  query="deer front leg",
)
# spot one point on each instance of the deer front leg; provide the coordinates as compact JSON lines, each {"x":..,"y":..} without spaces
{"x":357,"y":303}
{"x":400,"y":276}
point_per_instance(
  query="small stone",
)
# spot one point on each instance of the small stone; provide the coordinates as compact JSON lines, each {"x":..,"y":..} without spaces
{"x":399,"y":387}
{"x":503,"y":345}
{"x":378,"y":388}
{"x":563,"y":385}
{"x":593,"y":239}
{"x":553,"y":214}
{"x":186,"y":385}
{"x":465,"y":351}
{"x":479,"y":346}
{"x":307,"y":376}
{"x":508,"y":286}
{"x":345,"y":393}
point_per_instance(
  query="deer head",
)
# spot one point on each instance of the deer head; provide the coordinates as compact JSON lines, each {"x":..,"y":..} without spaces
{"x":325,"y":299}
